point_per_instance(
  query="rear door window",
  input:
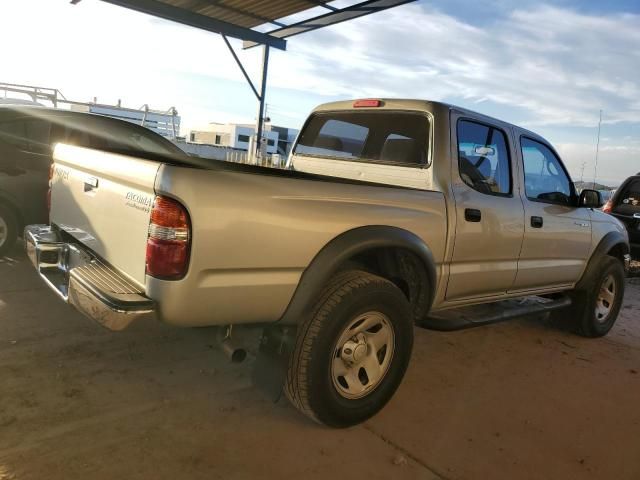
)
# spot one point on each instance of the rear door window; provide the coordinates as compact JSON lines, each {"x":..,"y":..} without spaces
{"x":483,"y":158}
{"x":399,"y":138}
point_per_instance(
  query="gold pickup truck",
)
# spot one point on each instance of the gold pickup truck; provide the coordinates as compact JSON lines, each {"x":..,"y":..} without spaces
{"x":393,"y":213}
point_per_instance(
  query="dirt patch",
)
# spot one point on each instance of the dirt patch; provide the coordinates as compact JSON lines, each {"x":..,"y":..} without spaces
{"x":514,"y":400}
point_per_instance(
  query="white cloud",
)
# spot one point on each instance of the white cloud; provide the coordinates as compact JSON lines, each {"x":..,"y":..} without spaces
{"x":615,"y":162}
{"x":558,"y":65}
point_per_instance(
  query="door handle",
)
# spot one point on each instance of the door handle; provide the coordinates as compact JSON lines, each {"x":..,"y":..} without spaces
{"x":472,"y":215}
{"x":537,"y":222}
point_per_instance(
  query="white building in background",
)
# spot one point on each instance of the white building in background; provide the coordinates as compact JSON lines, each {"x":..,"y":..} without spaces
{"x":166,"y":123}
{"x":286,"y":138}
{"x":238,"y":136}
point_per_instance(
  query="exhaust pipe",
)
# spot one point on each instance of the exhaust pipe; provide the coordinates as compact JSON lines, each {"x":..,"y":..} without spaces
{"x":233,"y":352}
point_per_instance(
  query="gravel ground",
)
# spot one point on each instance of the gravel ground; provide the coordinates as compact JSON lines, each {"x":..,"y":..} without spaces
{"x":519,"y":400}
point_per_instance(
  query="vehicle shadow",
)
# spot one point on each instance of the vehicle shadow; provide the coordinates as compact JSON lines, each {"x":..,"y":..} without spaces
{"x":154,"y":401}
{"x":70,"y":387}
{"x":79,"y":401}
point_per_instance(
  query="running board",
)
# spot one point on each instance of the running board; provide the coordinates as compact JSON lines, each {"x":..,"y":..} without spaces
{"x":485,"y":314}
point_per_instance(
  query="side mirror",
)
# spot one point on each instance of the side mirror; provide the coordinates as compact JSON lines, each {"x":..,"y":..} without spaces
{"x":590,"y":199}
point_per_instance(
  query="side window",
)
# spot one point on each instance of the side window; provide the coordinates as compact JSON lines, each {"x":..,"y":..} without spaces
{"x":483,"y":158}
{"x":544,"y":177}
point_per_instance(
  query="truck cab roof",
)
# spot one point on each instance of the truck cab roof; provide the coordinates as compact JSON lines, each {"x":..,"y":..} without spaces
{"x":420,"y":105}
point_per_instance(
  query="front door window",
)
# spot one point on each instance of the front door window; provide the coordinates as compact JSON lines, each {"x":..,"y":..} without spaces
{"x":544,"y":177}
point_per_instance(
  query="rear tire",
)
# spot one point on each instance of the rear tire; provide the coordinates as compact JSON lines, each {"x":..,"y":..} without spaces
{"x":8,"y":230}
{"x":352,"y":352}
{"x":597,"y":299}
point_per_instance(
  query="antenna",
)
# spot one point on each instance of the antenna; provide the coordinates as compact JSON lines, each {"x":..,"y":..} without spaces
{"x":595,"y":168}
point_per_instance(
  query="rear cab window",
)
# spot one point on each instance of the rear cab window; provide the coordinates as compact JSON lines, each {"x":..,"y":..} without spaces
{"x":383,"y":137}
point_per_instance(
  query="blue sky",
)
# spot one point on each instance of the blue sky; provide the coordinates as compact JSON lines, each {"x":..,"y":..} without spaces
{"x":549,"y":66}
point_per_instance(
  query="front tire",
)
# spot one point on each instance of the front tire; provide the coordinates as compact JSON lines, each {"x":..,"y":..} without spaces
{"x":352,"y":352}
{"x":597,"y":300}
{"x":8,"y":230}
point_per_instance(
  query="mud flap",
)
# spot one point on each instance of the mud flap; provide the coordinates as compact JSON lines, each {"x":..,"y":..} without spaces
{"x":270,"y":368}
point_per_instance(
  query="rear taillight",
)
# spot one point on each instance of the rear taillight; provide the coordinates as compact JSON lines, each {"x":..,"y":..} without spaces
{"x":607,"y":207}
{"x":169,"y":240}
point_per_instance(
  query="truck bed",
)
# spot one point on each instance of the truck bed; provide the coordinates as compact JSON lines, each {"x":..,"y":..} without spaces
{"x":254,"y":229}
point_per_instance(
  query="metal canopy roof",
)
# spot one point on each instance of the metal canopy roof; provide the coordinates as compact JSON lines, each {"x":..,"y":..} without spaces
{"x":245,"y":13}
{"x":239,"y":18}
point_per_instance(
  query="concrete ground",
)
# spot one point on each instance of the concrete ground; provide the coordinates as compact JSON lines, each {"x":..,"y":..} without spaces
{"x":517,"y":400}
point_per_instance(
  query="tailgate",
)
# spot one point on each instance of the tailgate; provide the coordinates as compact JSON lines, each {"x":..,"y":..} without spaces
{"x":104,"y":200}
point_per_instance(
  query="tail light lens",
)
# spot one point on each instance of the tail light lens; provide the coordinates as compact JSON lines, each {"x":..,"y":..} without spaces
{"x":607,"y":207}
{"x":168,"y":243}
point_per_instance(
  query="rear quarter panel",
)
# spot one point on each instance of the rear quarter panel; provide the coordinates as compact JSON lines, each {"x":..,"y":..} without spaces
{"x":253,"y":236}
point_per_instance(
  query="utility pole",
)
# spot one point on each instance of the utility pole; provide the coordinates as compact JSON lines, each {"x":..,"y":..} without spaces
{"x":261,"y":103}
{"x":595,"y":167}
{"x":584,"y":164}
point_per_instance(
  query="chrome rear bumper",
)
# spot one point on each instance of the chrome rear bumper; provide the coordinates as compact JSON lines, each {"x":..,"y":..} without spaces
{"x":83,"y":280}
